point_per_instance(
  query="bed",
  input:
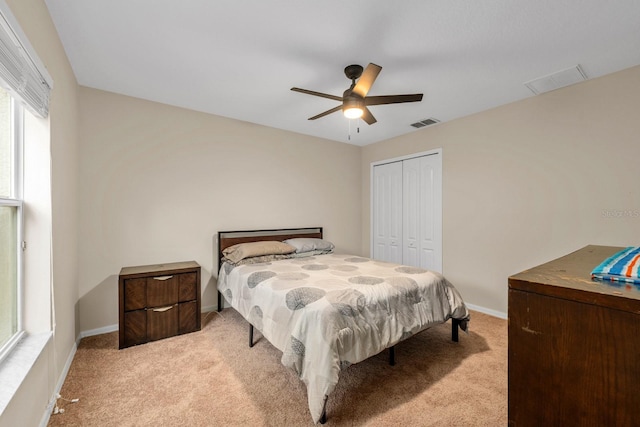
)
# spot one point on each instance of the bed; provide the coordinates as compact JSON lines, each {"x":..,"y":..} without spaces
{"x":325,"y":310}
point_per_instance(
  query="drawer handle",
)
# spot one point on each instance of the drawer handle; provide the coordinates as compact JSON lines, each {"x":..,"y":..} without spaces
{"x":163,"y":309}
{"x":162,"y":278}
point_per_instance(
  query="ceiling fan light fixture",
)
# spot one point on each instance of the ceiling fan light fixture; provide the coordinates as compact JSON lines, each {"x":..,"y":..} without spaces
{"x":353,"y":113}
{"x":353,"y":108}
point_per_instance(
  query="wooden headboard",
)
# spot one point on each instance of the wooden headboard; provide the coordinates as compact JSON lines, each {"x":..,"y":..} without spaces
{"x":230,"y":238}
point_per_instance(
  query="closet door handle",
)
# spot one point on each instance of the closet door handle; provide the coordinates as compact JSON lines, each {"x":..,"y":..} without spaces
{"x":163,"y":309}
{"x":162,"y":278}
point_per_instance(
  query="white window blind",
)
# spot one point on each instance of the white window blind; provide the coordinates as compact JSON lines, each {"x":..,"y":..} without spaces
{"x":21,"y":72}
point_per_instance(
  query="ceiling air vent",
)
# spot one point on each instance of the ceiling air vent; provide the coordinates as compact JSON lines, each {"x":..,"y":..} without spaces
{"x":556,"y":80}
{"x":425,"y":122}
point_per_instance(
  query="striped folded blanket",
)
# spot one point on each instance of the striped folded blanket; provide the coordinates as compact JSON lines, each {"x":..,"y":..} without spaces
{"x":620,"y":267}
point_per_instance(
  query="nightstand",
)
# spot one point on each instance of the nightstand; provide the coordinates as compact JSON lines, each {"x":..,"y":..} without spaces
{"x":158,"y":301}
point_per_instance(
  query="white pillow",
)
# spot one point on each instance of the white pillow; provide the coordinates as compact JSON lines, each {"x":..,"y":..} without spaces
{"x":307,"y":244}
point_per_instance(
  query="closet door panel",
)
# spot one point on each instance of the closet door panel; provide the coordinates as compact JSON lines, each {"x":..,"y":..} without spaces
{"x":411,"y":206}
{"x":420,"y":206}
{"x":430,"y":237}
{"x":427,"y":217}
{"x":387,"y":227}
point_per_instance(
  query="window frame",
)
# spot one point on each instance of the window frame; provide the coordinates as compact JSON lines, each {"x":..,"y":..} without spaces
{"x":16,"y":200}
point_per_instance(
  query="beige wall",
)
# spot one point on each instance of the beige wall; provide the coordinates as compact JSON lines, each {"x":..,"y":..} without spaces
{"x":157,"y":183}
{"x":30,"y":402}
{"x":530,"y":181}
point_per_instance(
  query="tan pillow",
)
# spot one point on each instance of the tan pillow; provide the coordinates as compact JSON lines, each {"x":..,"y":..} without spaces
{"x":241,"y":251}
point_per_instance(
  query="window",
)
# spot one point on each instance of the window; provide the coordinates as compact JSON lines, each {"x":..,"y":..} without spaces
{"x":10,"y":221}
{"x":25,"y":87}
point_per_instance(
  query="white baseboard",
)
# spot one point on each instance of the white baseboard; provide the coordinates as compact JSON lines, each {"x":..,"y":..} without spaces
{"x":488,"y":311}
{"x":97,"y":331}
{"x":63,"y":375}
{"x":209,"y":308}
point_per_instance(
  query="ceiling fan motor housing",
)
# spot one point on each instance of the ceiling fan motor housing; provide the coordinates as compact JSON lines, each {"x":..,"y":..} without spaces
{"x":352,"y":101}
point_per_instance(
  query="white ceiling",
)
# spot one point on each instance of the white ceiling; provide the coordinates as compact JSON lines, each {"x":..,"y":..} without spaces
{"x":240,"y":58}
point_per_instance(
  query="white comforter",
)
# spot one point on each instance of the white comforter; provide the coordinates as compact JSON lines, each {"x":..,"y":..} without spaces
{"x":329,"y":311}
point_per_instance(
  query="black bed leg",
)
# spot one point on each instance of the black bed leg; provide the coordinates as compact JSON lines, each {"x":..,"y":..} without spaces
{"x":250,"y":335}
{"x":323,"y":417}
{"x":455,"y":323}
{"x":219,"y":301}
{"x":392,"y":355}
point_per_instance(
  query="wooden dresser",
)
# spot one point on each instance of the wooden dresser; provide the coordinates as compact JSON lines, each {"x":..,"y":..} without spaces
{"x":158,"y":301}
{"x":574,"y":345}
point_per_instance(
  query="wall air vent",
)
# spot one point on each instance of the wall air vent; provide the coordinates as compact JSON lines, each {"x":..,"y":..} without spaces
{"x":556,"y":80}
{"x":425,"y":122}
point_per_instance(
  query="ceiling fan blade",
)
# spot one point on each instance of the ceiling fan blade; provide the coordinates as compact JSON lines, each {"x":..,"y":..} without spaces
{"x":368,"y":117}
{"x":392,"y":99}
{"x":333,"y":110}
{"x":320,"y":94}
{"x":366,"y":80}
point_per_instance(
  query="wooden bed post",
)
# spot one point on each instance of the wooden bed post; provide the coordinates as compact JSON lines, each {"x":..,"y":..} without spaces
{"x":455,"y":323}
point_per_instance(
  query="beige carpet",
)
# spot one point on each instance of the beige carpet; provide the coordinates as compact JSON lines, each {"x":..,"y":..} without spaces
{"x":212,"y":378}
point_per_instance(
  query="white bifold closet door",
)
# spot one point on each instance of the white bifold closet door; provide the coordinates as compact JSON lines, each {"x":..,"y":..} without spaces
{"x":407,"y":212}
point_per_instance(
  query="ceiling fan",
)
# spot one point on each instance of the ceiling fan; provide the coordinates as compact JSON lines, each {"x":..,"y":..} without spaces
{"x":355,"y":100}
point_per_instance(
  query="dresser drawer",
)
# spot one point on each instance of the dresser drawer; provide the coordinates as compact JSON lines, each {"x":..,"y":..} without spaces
{"x":162,"y":290}
{"x":134,"y":328}
{"x":135,"y":294}
{"x":188,"y":287}
{"x":162,"y":322}
{"x":187,"y":317}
